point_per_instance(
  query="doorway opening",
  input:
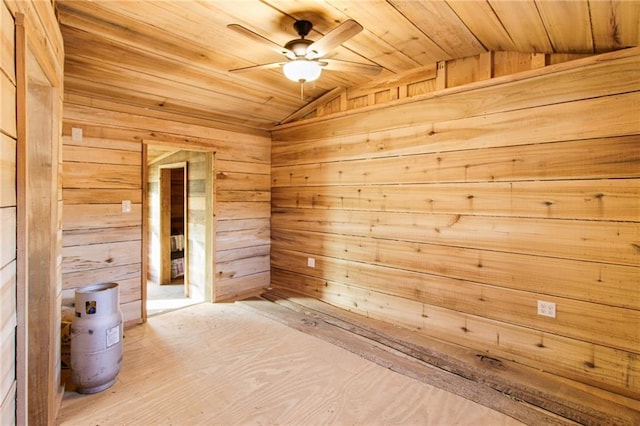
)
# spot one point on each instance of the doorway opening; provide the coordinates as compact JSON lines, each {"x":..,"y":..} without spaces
{"x":178,"y":191}
{"x":171,"y":288}
{"x":173,"y":226}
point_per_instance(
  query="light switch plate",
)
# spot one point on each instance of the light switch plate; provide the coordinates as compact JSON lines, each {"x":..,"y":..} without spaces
{"x":311,"y":262}
{"x":76,"y":134}
{"x":126,"y":206}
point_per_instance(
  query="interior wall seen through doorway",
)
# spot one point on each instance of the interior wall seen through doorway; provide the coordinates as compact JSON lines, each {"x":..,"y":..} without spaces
{"x":198,"y":179}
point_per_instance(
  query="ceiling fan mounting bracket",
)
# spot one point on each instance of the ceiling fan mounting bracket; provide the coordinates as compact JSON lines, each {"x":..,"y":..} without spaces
{"x":303,"y":27}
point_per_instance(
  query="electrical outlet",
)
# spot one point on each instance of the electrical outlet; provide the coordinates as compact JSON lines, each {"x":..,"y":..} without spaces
{"x":546,"y":309}
{"x":311,"y":262}
{"x":126,"y":206}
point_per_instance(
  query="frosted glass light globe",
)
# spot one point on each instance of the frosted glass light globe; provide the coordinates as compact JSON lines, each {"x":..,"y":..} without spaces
{"x":302,"y":70}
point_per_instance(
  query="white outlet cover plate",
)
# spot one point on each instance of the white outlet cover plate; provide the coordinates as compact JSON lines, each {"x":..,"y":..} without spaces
{"x":311,"y":262}
{"x":546,"y":309}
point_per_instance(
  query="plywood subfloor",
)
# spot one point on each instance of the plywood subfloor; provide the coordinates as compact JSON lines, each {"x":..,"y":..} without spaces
{"x":165,"y":298}
{"x":226,"y":364}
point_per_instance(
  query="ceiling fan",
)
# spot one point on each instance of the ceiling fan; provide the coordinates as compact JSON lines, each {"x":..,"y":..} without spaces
{"x":305,"y":58}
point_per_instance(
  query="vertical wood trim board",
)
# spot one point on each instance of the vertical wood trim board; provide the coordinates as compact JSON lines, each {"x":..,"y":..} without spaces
{"x":455,"y":214}
{"x":44,"y":251}
{"x":145,"y":247}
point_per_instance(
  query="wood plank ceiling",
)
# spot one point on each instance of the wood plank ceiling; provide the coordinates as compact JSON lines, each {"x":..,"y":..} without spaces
{"x":174,"y":56}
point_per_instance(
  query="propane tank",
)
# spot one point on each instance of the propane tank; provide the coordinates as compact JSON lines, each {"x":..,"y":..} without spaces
{"x":96,"y":338}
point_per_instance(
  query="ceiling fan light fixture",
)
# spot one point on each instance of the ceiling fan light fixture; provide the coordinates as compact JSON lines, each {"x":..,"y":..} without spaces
{"x":302,"y":70}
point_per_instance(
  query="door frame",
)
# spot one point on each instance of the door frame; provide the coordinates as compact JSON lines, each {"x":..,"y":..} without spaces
{"x":165,"y":190}
{"x":209,"y":224}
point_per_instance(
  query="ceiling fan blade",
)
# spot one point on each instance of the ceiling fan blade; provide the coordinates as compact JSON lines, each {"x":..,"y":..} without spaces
{"x":347,"y":66}
{"x":260,"y":39}
{"x":333,"y":38}
{"x":259,"y":67}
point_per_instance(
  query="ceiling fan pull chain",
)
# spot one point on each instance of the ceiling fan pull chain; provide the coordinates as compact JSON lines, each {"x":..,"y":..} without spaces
{"x":301,"y":90}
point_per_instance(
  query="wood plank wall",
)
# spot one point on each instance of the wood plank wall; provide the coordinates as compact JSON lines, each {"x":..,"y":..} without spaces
{"x":454,"y":214}
{"x":241,"y":193}
{"x":242,"y":227}
{"x":31,"y":86}
{"x":199,"y":172}
{"x":8,"y":206}
{"x":427,"y":79}
{"x":101,"y":243}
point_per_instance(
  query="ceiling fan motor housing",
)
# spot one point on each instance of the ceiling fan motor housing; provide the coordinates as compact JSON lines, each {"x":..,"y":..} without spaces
{"x":298,"y":46}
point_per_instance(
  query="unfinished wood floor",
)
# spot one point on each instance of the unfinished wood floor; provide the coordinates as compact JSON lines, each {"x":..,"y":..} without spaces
{"x":225,"y":364}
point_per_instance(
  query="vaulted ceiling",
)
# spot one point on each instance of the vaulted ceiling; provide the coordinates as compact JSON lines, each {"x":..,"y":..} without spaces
{"x":174,"y":56}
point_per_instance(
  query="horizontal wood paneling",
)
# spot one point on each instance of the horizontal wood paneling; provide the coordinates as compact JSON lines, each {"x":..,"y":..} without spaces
{"x":7,"y":373}
{"x":131,"y":312}
{"x":227,"y":167}
{"x":597,"y":365}
{"x":88,"y":216}
{"x":88,"y":155}
{"x":242,"y":266}
{"x":605,"y":199}
{"x":104,"y":169}
{"x":122,"y":273}
{"x":96,"y":137}
{"x":101,"y":243}
{"x":101,"y":196}
{"x":87,"y":236}
{"x":608,"y":284}
{"x":455,"y":214}
{"x":95,"y":256}
{"x":238,"y":181}
{"x":8,"y":322}
{"x":101,"y":176}
{"x":506,"y":94}
{"x":586,"y":159}
{"x":610,"y":325}
{"x":242,"y":233}
{"x":228,"y":145}
{"x":8,"y":241}
{"x":7,"y":171}
{"x":8,"y":108}
{"x":239,"y":196}
{"x":243,"y":209}
{"x":611,"y":242}
{"x":129,"y":289}
{"x":242,"y":237}
{"x":242,"y":253}
{"x":244,"y":286}
{"x":7,"y":44}
{"x":8,"y":299}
